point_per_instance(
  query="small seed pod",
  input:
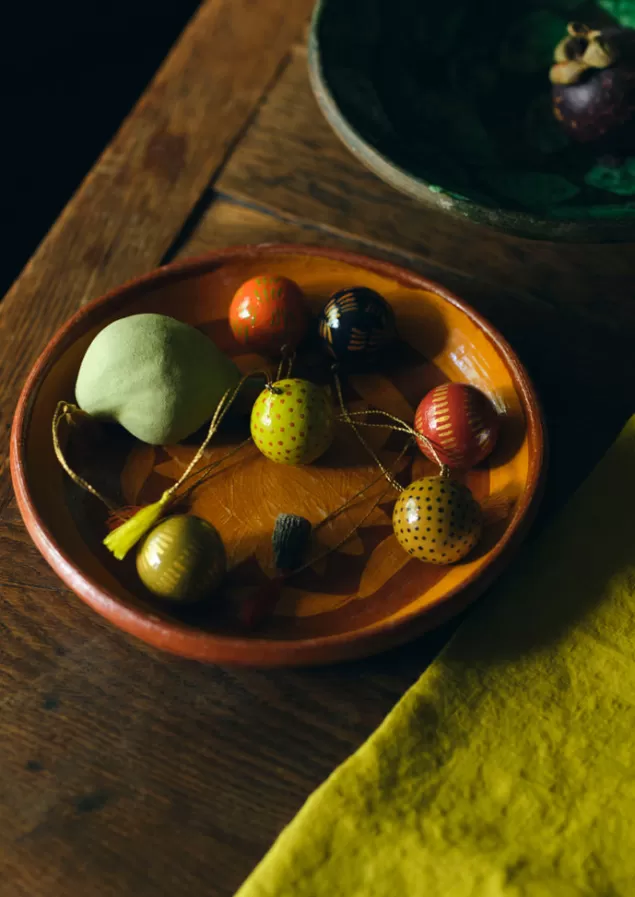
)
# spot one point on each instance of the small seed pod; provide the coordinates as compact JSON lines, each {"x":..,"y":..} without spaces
{"x":357,"y":326}
{"x":292,"y":421}
{"x":182,"y":560}
{"x":460,"y":423}
{"x":290,"y":540}
{"x":268,"y":313}
{"x":437,"y":520}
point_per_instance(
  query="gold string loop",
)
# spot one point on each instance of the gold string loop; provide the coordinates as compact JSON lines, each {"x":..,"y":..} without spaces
{"x":64,"y":411}
{"x":349,"y":420}
{"x":287,"y":361}
{"x":336,"y":513}
{"x":398,"y":426}
{"x":126,"y":536}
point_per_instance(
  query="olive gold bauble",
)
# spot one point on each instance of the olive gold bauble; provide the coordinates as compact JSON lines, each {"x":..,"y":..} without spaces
{"x":182,"y":560}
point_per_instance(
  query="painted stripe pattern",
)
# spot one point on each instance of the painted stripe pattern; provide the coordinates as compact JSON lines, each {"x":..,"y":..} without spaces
{"x":460,"y":422}
{"x":356,"y":324}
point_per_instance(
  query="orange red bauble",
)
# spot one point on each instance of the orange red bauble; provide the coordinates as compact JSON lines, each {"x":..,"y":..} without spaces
{"x":268,"y":314}
{"x":460,"y":422}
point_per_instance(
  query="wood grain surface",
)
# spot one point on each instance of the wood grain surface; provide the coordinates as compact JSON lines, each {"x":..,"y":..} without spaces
{"x":125,"y":772}
{"x":131,"y":206}
{"x":367,"y":595}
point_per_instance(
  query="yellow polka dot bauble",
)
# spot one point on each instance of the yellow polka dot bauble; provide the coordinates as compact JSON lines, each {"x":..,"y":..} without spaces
{"x":292,"y":421}
{"x":437,"y":520}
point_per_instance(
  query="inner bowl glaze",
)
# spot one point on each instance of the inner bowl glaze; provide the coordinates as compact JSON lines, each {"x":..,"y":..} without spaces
{"x":368,"y":595}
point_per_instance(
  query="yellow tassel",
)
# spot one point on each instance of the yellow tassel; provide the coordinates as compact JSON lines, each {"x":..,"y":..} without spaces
{"x":126,"y":536}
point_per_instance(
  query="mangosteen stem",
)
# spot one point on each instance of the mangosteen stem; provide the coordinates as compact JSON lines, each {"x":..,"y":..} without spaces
{"x":567,"y":72}
{"x":577,"y":29}
{"x":582,"y":50}
{"x":597,"y":55}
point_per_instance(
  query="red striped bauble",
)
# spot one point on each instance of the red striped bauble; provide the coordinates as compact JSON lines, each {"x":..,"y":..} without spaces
{"x":460,"y":422}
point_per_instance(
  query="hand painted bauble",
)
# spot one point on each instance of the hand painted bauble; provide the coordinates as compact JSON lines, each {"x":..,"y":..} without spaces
{"x":182,"y":560}
{"x":593,"y":86}
{"x":438,"y":520}
{"x":292,"y":421}
{"x":460,"y":422}
{"x":357,"y":326}
{"x":268,"y":313}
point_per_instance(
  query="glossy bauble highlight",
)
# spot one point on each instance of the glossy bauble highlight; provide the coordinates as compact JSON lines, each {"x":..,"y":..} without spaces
{"x":292,"y":421}
{"x":357,"y":326}
{"x":437,"y":520}
{"x":269,"y":314}
{"x":182,"y":560}
{"x":459,"y":422}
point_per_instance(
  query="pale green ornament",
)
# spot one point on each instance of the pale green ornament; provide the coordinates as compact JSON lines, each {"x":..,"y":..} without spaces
{"x":158,"y":377}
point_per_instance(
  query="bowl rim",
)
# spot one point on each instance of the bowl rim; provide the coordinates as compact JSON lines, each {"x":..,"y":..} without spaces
{"x":186,"y":641}
{"x":505,"y":219}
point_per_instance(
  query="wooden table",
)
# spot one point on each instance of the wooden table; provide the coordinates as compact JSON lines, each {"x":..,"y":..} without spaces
{"x":127,"y":772}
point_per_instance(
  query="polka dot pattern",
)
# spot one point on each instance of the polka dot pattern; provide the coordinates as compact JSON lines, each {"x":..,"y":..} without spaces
{"x":268,"y":313}
{"x":437,"y":520}
{"x":292,"y":422}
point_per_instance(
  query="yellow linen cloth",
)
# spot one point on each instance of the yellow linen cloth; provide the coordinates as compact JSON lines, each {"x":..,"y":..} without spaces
{"x":509,"y":768}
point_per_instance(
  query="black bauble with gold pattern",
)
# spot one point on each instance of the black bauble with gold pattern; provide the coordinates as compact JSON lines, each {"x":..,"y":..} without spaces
{"x":357,"y":326}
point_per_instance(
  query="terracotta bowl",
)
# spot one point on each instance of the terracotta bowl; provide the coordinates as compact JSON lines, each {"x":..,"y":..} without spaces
{"x":450,"y":103}
{"x":362,"y":598}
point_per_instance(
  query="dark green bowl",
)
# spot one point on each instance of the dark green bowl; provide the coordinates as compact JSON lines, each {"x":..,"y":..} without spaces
{"x":450,"y":103}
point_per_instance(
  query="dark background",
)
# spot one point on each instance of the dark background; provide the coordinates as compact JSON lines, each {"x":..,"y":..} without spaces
{"x":69,"y":73}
